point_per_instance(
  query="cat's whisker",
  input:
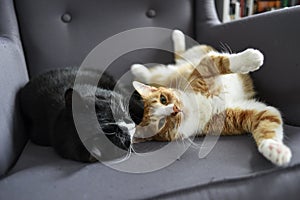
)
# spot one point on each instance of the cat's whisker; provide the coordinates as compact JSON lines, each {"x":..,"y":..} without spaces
{"x":137,"y":153}
{"x":181,"y":142}
{"x":225,"y":47}
{"x":287,"y":138}
{"x":228,"y":48}
{"x":177,"y":141}
{"x":184,"y":142}
{"x":222,"y":46}
{"x":194,"y":144}
{"x":126,"y":157}
{"x":177,"y":83}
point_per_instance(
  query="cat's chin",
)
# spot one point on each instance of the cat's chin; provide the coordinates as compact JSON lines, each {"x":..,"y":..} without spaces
{"x":179,"y":114}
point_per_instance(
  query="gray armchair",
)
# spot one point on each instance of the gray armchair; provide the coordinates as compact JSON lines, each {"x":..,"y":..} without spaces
{"x":39,"y":35}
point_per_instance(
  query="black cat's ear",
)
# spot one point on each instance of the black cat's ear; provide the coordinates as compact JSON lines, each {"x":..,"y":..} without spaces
{"x":68,"y":97}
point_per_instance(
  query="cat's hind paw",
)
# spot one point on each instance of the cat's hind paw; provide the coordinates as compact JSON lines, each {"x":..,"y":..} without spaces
{"x":275,"y":151}
{"x":247,"y":61}
{"x":140,"y":72}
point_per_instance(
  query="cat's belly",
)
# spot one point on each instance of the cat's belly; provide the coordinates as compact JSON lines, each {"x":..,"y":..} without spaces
{"x":233,"y":88}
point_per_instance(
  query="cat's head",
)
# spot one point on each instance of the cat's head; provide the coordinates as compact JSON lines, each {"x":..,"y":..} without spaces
{"x":162,"y":113}
{"x":112,"y":113}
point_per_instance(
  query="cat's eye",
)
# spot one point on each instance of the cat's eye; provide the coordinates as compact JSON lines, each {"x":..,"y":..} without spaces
{"x":163,"y":100}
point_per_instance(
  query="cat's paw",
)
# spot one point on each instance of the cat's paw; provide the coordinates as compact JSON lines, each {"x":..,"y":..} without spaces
{"x":247,"y":61}
{"x":140,"y":72}
{"x":275,"y":151}
{"x":178,"y":41}
{"x":95,"y":153}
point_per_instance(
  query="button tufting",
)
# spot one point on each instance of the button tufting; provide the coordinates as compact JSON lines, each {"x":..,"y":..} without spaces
{"x":151,"y":13}
{"x":67,"y":18}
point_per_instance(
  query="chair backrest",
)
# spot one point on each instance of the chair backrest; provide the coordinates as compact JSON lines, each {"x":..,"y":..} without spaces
{"x":60,"y":33}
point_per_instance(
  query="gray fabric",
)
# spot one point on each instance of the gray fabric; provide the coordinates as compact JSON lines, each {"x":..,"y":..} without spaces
{"x":277,"y":36}
{"x":68,"y":42}
{"x":41,"y":174}
{"x":60,"y":33}
{"x":262,"y":185}
{"x":8,"y":23}
{"x":50,"y":42}
{"x":13,"y":75}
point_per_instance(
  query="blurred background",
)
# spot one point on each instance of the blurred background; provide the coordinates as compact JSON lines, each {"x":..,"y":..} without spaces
{"x":229,"y":10}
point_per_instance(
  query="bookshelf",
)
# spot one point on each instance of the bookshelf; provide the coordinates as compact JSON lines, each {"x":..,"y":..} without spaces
{"x":229,"y":10}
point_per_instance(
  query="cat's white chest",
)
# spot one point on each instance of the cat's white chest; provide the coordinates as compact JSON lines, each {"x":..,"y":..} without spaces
{"x":196,"y":112}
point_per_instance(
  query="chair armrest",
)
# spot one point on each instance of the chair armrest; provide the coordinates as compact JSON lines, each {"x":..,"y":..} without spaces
{"x":13,"y":75}
{"x":277,"y":35}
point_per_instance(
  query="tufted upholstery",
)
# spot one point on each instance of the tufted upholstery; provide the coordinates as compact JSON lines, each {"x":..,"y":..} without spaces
{"x":65,"y":32}
{"x":61,"y":33}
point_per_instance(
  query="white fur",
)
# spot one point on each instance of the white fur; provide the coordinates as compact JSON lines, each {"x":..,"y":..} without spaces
{"x":196,"y":112}
{"x":193,"y":55}
{"x":178,"y":41}
{"x":140,"y":72}
{"x":246,"y":61}
{"x":233,"y":88}
{"x":157,"y":74}
{"x":96,"y":152}
{"x":164,"y":110}
{"x":275,"y":151}
{"x":129,"y":126}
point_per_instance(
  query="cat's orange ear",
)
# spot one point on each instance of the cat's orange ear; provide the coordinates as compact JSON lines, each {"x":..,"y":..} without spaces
{"x":142,"y":89}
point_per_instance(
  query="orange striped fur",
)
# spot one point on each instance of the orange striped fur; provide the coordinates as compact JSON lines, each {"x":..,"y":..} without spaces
{"x":188,"y":97}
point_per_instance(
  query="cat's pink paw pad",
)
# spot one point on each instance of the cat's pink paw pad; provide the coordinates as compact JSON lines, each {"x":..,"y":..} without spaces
{"x":275,"y":151}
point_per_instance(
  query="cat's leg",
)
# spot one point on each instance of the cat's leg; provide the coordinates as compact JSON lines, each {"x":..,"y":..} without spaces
{"x":145,"y":75}
{"x":163,"y":75}
{"x":265,"y":124}
{"x":215,"y":63}
{"x":192,"y":55}
{"x":268,"y":135}
{"x":178,"y":44}
{"x":141,"y":73}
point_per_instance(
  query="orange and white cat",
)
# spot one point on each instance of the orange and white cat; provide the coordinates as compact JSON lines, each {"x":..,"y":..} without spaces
{"x":207,"y":92}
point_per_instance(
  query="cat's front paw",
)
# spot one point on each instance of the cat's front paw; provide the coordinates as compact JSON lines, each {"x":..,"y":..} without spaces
{"x":140,"y":72}
{"x":275,"y":151}
{"x":247,"y":61}
{"x":178,"y":41}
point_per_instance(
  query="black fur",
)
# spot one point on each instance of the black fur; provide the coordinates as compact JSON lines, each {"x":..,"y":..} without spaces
{"x":46,"y":103}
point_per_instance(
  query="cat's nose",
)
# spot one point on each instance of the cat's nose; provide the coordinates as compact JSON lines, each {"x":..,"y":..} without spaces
{"x":176,"y":109}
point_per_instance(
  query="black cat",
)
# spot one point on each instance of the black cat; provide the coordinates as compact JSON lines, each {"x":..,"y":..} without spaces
{"x":46,"y":103}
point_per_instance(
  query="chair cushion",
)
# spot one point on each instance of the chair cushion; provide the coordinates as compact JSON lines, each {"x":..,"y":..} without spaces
{"x":41,"y":174}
